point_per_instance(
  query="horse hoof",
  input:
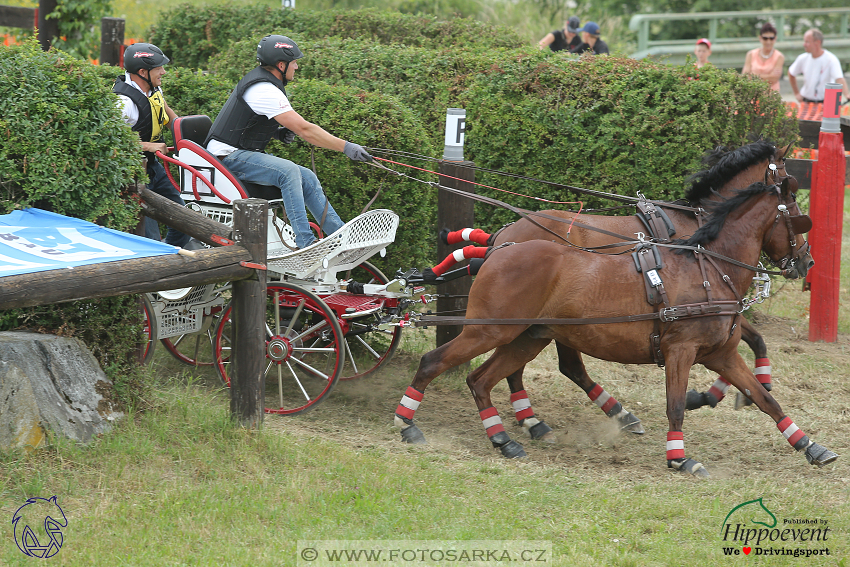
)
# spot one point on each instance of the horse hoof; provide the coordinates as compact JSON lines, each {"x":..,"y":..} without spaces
{"x":444,"y":236}
{"x":689,"y":466}
{"x":631,"y":423}
{"x":742,"y":401}
{"x":819,"y":455}
{"x":413,"y":435}
{"x":694,"y":400}
{"x":512,"y":450}
{"x":542,"y":432}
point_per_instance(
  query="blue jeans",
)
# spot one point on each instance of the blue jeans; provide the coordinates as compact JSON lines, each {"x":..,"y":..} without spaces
{"x":161,"y":185}
{"x":298,"y":187}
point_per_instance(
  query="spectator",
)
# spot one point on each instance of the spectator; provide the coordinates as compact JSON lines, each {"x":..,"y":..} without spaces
{"x":702,"y":52}
{"x":766,"y":61}
{"x":566,"y":38}
{"x":590,"y":40}
{"x":140,"y":92}
{"x":818,"y":67}
{"x":259,"y":110}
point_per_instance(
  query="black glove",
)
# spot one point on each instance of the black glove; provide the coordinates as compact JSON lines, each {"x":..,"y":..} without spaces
{"x":285,"y":135}
{"x":356,"y":152}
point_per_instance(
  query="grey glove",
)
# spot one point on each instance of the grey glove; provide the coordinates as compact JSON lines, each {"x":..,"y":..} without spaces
{"x":356,"y":152}
{"x":285,"y":135}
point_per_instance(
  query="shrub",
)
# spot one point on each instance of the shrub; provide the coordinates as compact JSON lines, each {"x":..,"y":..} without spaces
{"x":64,"y":147}
{"x":190,"y":35}
{"x":608,"y":123}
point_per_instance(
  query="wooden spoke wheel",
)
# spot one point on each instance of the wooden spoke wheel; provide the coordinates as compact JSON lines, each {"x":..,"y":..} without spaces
{"x":367,"y":349}
{"x":148,"y":342}
{"x":305,"y":350}
{"x":196,"y":349}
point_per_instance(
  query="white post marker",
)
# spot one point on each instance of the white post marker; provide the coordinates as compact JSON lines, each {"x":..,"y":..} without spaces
{"x":455,"y":130}
{"x":287,"y":4}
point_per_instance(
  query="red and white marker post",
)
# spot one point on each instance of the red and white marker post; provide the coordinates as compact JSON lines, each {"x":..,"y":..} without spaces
{"x":826,"y":207}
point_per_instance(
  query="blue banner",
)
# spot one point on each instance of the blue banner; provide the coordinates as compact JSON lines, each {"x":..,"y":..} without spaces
{"x":33,"y":240}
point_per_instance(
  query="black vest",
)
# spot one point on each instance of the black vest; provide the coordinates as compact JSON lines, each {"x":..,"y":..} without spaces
{"x":239,"y":126}
{"x":144,"y":125}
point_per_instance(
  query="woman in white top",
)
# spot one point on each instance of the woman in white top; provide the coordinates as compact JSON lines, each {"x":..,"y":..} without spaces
{"x":766,"y":61}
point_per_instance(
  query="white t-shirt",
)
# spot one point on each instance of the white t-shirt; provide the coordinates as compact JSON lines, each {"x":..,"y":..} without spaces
{"x":263,"y":98}
{"x":128,"y":107}
{"x":817,"y":73}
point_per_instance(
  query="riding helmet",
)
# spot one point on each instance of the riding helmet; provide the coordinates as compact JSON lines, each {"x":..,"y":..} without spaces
{"x":274,"y":48}
{"x":143,"y":56}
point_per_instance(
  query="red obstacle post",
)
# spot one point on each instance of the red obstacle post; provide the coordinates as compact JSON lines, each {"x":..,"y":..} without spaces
{"x":826,"y":207}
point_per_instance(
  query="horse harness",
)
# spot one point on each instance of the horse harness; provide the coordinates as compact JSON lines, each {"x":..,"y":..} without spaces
{"x":648,"y":262}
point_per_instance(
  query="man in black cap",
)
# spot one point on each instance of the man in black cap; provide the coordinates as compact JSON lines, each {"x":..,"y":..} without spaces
{"x":259,"y":110}
{"x":590,"y":40}
{"x":145,"y":110}
{"x":566,"y":38}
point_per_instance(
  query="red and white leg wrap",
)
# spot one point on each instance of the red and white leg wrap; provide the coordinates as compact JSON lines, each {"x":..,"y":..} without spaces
{"x":522,"y":407}
{"x":604,"y":400}
{"x":468,"y":235}
{"x":409,"y":403}
{"x":762,"y":370}
{"x":675,"y":445}
{"x":459,"y":255}
{"x":793,"y":434}
{"x":491,"y":420}
{"x":719,"y":388}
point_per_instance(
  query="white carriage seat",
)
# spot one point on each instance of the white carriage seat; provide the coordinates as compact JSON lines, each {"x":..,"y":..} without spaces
{"x":357,"y":241}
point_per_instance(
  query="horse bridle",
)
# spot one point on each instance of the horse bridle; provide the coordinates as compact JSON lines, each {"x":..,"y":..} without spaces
{"x":796,"y":224}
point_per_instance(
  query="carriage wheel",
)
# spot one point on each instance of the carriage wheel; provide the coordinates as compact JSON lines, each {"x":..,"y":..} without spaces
{"x":305,"y":352}
{"x":149,"y":329}
{"x":366,"y":351}
{"x":196,"y":349}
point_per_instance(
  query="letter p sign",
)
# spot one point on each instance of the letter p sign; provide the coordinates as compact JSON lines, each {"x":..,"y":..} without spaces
{"x":455,"y":130}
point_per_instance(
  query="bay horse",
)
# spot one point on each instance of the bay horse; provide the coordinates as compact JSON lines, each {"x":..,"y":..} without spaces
{"x":699,"y":321}
{"x":726,"y":171}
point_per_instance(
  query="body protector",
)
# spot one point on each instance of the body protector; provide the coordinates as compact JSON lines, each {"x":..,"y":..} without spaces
{"x":239,"y":126}
{"x":152,"y":115}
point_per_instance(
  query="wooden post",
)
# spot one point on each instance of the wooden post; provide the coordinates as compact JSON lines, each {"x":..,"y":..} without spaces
{"x":249,"y":317}
{"x":48,"y":28}
{"x":111,"y":41}
{"x":826,"y":207}
{"x":454,"y":212}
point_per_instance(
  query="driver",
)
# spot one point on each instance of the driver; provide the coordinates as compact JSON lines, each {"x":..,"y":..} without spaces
{"x":140,"y":93}
{"x":259,"y":110}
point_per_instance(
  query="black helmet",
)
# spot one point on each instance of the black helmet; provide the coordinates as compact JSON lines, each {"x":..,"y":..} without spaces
{"x":274,"y":48}
{"x":143,"y":56}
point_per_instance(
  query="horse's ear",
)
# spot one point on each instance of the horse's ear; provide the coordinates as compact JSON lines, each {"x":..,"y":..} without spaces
{"x":782,"y":152}
{"x":790,"y":185}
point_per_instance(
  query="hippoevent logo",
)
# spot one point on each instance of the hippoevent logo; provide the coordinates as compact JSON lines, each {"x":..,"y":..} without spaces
{"x":38,"y":531}
{"x":751,"y":528}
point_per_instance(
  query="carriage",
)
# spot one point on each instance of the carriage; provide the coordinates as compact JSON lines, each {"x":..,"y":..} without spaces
{"x":319,"y":328}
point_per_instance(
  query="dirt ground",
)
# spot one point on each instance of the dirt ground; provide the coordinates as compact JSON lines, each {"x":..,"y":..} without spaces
{"x":811,"y":383}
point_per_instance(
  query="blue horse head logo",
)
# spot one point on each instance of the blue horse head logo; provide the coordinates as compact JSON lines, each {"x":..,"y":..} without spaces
{"x":41,"y":513}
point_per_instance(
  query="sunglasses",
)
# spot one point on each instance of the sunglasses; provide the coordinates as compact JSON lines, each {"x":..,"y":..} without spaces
{"x":766,"y":38}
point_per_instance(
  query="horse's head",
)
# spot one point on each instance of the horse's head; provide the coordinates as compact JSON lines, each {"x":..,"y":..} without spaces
{"x":784,"y":243}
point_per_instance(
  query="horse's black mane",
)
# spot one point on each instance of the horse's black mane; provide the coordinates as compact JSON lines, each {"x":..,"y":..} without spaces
{"x":724,"y":164}
{"x":719,"y":212}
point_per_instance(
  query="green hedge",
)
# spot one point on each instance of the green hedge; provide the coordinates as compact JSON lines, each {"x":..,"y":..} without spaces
{"x":606,"y":123}
{"x":64,"y":147}
{"x":610,"y":124}
{"x":191,"y":34}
